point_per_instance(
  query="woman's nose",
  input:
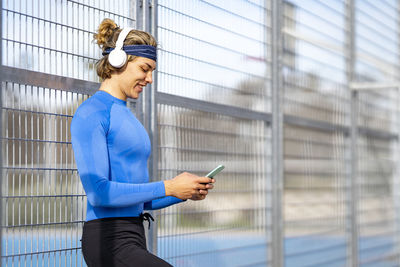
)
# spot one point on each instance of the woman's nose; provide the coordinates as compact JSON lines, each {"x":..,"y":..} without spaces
{"x":149,"y":77}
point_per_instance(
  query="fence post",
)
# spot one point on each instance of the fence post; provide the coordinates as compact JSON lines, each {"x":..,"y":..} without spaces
{"x":1,"y":131}
{"x":277,"y":135}
{"x":352,"y":184}
{"x":395,"y":186}
{"x":146,"y":20}
{"x":153,"y":122}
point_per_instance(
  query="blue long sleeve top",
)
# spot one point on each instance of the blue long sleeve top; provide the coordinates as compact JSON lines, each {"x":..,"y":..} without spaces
{"x":111,"y":149}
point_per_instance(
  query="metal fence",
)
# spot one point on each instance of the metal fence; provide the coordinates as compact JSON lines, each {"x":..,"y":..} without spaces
{"x":316,"y":153}
{"x":213,"y":58}
{"x":377,"y":61}
{"x":47,"y":72}
{"x":298,"y":99}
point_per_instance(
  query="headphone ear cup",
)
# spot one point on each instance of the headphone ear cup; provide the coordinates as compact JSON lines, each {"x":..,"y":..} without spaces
{"x":117,"y":58}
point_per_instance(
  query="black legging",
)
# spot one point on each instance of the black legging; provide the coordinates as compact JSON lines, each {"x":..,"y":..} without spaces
{"x":117,"y":242}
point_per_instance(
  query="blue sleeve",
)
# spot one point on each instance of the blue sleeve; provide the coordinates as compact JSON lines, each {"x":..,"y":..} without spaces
{"x":162,"y":203}
{"x":89,"y":141}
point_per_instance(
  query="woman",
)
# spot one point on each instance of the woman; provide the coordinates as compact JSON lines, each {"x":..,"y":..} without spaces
{"x":111,"y":149}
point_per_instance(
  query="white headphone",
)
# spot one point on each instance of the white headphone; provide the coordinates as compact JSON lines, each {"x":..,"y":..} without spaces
{"x":118,"y":57}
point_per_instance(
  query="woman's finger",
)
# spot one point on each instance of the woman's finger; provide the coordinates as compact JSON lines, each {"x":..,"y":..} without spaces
{"x":201,"y":186}
{"x":209,"y":186}
{"x":204,"y":180}
{"x":203,"y":192}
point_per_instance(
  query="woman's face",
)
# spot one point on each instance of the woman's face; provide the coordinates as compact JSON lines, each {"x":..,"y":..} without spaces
{"x":136,"y":76}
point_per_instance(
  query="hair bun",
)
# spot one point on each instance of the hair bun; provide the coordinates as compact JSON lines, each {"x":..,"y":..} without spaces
{"x":105,"y":31}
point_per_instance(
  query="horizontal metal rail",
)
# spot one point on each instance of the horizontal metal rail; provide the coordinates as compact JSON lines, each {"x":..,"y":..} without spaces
{"x":317,"y":249}
{"x":45,"y":80}
{"x":39,"y":169}
{"x":248,"y":74}
{"x":214,"y":230}
{"x":326,"y":262}
{"x":219,"y":250}
{"x":50,"y":49}
{"x":46,"y":21}
{"x":39,"y":252}
{"x":212,"y":25}
{"x":214,"y":152}
{"x":42,"y":196}
{"x":40,"y":79}
{"x":235,"y":14}
{"x":37,"y":112}
{"x":215,"y":85}
{"x":213,"y":211}
{"x":227,"y":49}
{"x":41,"y":224}
{"x":101,"y":10}
{"x":200,"y":105}
{"x":34,"y":140}
{"x":258,"y":263}
{"x":215,"y":132}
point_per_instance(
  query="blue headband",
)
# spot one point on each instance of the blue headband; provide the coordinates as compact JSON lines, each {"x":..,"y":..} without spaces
{"x":148,"y":51}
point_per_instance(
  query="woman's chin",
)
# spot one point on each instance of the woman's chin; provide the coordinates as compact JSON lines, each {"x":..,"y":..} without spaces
{"x":135,"y":96}
{"x":135,"y":93}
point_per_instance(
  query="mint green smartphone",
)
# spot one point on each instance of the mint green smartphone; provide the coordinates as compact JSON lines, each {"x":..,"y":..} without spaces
{"x":214,"y":172}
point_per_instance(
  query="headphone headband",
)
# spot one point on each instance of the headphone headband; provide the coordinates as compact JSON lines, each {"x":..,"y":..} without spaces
{"x":121,"y":37}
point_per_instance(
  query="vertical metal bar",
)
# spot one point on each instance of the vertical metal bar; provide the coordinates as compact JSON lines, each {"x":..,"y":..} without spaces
{"x":395,"y":184}
{"x":44,"y":172}
{"x":153,"y":123}
{"x":353,"y":197}
{"x":277,"y":135}
{"x":18,"y":192}
{"x":139,"y":14}
{"x":56,"y":171}
{"x":12,"y":171}
{"x":395,"y":176}
{"x":140,"y":26}
{"x":267,"y":198}
{"x":26,"y":137}
{"x":5,"y":161}
{"x":145,"y":107}
{"x":32,"y":171}
{"x":63,"y":166}
{"x":1,"y":132}
{"x":352,"y":182}
{"x":47,"y":202}
{"x":37,"y":174}
{"x":32,"y":36}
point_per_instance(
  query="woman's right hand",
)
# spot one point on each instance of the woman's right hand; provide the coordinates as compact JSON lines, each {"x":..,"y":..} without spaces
{"x":186,"y":185}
